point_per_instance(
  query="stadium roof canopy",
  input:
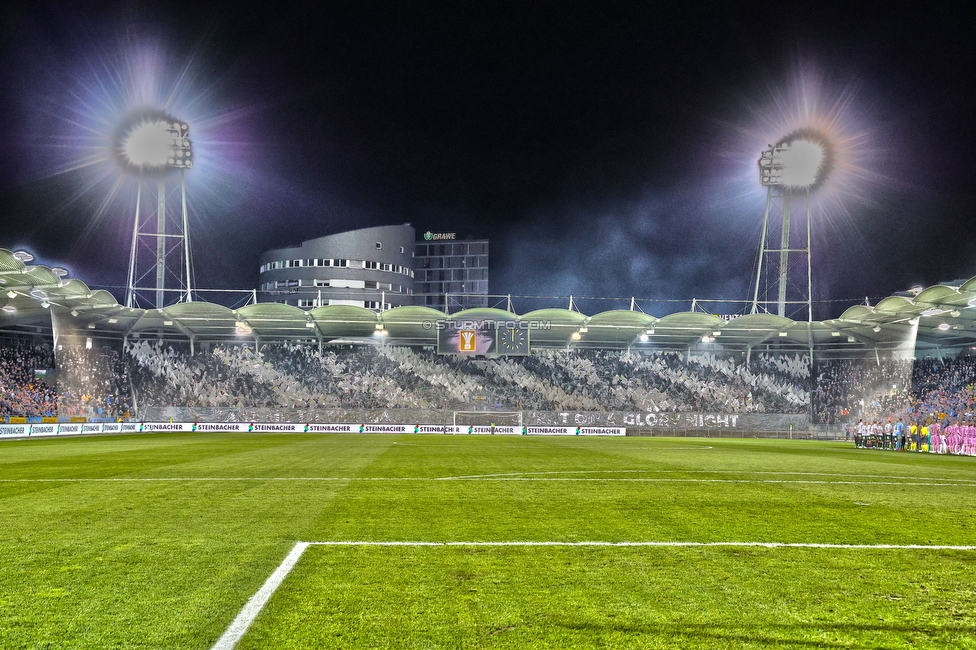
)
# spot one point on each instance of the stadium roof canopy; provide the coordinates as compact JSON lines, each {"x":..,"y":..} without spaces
{"x":37,"y":299}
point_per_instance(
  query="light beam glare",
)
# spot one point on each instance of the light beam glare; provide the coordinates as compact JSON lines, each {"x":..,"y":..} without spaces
{"x":76,"y":112}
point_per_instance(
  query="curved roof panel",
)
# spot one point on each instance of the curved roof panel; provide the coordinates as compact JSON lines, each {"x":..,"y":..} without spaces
{"x":690,"y":320}
{"x":552,"y":326}
{"x":857,"y":313}
{"x":341,"y":321}
{"x":412,"y":322}
{"x":621,"y":318}
{"x":9,"y":263}
{"x":483,"y":313}
{"x":897,"y":305}
{"x":969,"y":285}
{"x":935,"y":295}
{"x":616,"y":327}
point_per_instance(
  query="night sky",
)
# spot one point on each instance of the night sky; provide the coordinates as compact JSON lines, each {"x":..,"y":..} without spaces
{"x":605,"y":149}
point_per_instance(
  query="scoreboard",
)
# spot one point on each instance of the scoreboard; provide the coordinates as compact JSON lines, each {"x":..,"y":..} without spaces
{"x":508,"y":338}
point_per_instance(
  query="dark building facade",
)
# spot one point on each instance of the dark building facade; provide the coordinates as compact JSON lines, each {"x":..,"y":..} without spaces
{"x":451,"y":273}
{"x":370,"y":267}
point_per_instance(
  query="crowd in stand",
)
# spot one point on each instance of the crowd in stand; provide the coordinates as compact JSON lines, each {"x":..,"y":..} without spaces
{"x":399,"y":377}
{"x":848,"y":389}
{"x":24,"y":387}
{"x":38,"y":381}
{"x":935,"y":397}
{"x":92,"y":382}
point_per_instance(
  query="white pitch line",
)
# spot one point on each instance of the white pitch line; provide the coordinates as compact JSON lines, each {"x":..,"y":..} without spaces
{"x":235,"y":632}
{"x":932,"y":547}
{"x":238,"y":628}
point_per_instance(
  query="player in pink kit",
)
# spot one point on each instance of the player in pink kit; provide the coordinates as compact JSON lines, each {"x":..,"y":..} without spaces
{"x":938,"y":441}
{"x":968,"y":446}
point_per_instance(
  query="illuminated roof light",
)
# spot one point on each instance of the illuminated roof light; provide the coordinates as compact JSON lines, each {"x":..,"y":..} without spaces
{"x":9,"y":309}
{"x":954,"y":313}
{"x":835,"y":333}
{"x":944,"y":326}
{"x":74,"y":313}
{"x":850,"y":339}
{"x":650,"y":331}
{"x":782,"y":333}
{"x":24,"y":256}
{"x":877,"y":328}
{"x":11,"y":294}
{"x":575,"y":336}
{"x":643,"y":338}
{"x":45,"y":304}
{"x":716,"y":334}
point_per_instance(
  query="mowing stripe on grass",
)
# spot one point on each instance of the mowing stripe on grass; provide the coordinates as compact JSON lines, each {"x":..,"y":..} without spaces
{"x":257,"y":602}
{"x":524,"y":479}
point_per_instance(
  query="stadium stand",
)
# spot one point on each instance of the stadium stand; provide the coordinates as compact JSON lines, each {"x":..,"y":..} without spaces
{"x":365,"y":377}
{"x":109,"y":380}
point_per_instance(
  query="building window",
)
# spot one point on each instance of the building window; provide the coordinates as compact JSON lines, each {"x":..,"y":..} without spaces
{"x":379,"y":245}
{"x":401,"y":250}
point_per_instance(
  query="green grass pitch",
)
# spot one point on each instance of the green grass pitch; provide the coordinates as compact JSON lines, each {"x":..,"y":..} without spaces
{"x":158,"y":541}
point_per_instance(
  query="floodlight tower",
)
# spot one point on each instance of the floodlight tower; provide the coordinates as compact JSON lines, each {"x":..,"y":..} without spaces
{"x":790,"y":171}
{"x":156,"y":147}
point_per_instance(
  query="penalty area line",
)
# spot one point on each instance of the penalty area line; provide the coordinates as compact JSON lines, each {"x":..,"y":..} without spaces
{"x":930,"y":547}
{"x":238,"y":628}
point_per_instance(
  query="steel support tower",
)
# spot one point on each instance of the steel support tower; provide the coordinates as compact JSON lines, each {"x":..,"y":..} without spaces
{"x":790,"y":171}
{"x":160,"y":268}
{"x":784,"y":273}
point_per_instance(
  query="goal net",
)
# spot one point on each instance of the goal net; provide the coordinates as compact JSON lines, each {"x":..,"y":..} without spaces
{"x":488,"y":418}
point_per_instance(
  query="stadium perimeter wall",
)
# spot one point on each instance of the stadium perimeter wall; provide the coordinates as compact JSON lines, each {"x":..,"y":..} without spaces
{"x":652,"y":422}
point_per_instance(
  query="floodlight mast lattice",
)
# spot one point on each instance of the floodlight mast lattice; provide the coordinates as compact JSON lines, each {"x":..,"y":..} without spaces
{"x":790,"y":171}
{"x":155,"y":146}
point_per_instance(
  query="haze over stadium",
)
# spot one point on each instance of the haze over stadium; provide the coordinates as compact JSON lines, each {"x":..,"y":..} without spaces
{"x":637,"y":143}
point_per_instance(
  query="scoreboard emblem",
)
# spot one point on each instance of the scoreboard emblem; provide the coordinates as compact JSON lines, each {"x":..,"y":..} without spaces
{"x":466,"y":341}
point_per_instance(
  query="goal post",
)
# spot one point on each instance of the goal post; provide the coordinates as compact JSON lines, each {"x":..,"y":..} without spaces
{"x":488,"y":418}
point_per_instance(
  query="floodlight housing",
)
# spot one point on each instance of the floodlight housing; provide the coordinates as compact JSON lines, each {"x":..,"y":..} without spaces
{"x":153,"y":142}
{"x":802,"y":159}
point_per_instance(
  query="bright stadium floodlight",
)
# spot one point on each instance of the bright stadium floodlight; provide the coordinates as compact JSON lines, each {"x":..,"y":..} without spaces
{"x":800,"y":160}
{"x":791,"y":169}
{"x":153,"y":145}
{"x":153,"y":142}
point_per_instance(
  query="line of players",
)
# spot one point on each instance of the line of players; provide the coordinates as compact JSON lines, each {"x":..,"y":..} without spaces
{"x":959,"y":438}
